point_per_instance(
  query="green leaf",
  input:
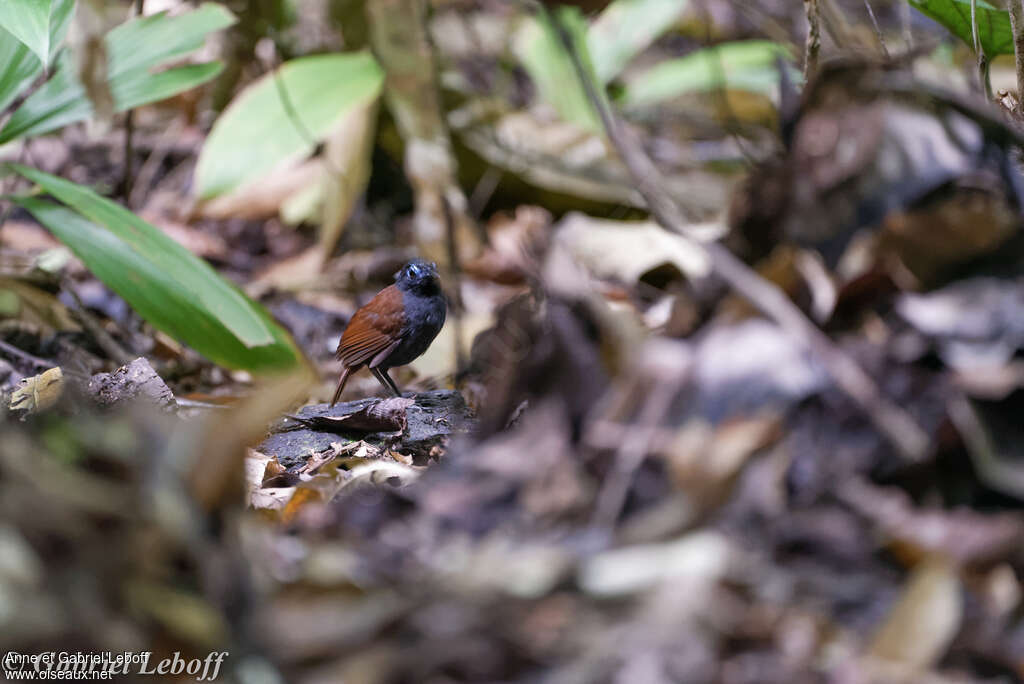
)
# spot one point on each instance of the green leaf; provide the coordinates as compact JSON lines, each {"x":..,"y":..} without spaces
{"x":625,"y":28}
{"x":540,"y":49}
{"x":744,"y":65}
{"x":29,"y":22}
{"x":282,"y":116}
{"x":137,"y":89}
{"x":994,"y":31}
{"x":165,"y":283}
{"x":147,"y":42}
{"x":18,"y":65}
{"x":134,"y":49}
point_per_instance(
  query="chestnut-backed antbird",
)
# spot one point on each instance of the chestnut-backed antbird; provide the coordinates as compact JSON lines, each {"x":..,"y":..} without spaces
{"x":394,"y":327}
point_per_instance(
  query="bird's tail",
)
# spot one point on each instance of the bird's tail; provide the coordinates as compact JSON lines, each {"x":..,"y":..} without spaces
{"x":345,"y":372}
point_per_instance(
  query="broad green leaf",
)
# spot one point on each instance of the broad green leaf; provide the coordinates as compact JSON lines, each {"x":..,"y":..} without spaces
{"x":156,"y":39}
{"x":994,"y":31}
{"x":745,"y":65}
{"x":61,"y":12}
{"x":134,"y":50}
{"x":18,"y":65}
{"x":165,"y":283}
{"x":136,"y":89}
{"x":540,"y":49}
{"x":282,"y":116}
{"x":29,"y":22}
{"x":625,"y":28}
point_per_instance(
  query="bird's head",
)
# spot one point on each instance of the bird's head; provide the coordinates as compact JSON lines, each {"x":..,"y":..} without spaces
{"x":419,"y":276}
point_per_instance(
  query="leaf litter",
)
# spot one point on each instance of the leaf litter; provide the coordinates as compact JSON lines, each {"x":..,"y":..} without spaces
{"x":641,"y":481}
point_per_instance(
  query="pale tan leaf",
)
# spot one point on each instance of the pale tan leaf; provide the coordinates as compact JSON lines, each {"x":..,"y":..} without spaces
{"x":924,"y":620}
{"x":346,"y":170}
{"x":263,"y":198}
{"x":39,"y":392}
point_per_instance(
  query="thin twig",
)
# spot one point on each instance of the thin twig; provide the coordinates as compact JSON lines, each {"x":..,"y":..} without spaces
{"x":730,"y":122}
{"x":10,"y":180}
{"x":456,"y":284}
{"x":25,"y":356}
{"x":974,"y":26}
{"x":981,"y":447}
{"x":908,"y":35}
{"x":101,"y":337}
{"x":895,"y":424}
{"x":290,"y":111}
{"x":983,"y":66}
{"x":631,"y":454}
{"x":483,"y":191}
{"x":24,"y":95}
{"x":878,"y":29}
{"x":151,"y":166}
{"x":300,"y":127}
{"x":813,"y":45}
{"x":129,"y":153}
{"x":1017,"y":26}
{"x":129,"y":131}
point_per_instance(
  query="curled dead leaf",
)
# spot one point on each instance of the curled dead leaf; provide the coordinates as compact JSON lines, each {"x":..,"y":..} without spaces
{"x":39,"y":392}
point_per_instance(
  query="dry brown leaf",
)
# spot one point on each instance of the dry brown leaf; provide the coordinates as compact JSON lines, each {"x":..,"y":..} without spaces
{"x":346,"y":170}
{"x":384,"y":415}
{"x":25,"y":236}
{"x":255,"y":467}
{"x":297,"y":272}
{"x":217,"y":476}
{"x":271,"y":499}
{"x":962,"y":535}
{"x":301,"y":497}
{"x":512,"y":240}
{"x":39,"y":392}
{"x":924,"y":620}
{"x":199,"y":242}
{"x":39,"y":307}
{"x":263,"y":198}
{"x":626,"y":250}
{"x":702,"y":459}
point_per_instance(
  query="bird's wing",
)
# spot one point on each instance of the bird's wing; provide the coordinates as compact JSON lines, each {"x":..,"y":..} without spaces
{"x":370,"y":331}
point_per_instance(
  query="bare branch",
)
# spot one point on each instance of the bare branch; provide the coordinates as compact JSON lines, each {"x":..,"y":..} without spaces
{"x":1016,"y":8}
{"x":813,"y":45}
{"x":878,"y":29}
{"x":983,"y":66}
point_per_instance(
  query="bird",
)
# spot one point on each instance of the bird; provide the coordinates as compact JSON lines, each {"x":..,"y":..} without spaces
{"x":394,"y":327}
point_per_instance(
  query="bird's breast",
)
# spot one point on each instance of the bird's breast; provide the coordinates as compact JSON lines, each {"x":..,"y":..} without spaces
{"x":424,"y":318}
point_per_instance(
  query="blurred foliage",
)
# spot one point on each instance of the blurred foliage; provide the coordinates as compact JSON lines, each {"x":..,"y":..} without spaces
{"x":30,"y":22}
{"x":744,"y":66}
{"x":164,"y":282}
{"x":633,"y":477}
{"x":751,"y":66}
{"x":18,"y":65}
{"x":135,"y":50}
{"x":540,"y":48}
{"x":994,"y":33}
{"x":291,"y":110}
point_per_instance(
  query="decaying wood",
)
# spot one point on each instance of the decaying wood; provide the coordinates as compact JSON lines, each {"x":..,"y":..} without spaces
{"x":136,"y":381}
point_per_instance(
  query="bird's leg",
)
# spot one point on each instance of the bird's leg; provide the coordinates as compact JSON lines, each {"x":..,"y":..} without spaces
{"x":385,"y":379}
